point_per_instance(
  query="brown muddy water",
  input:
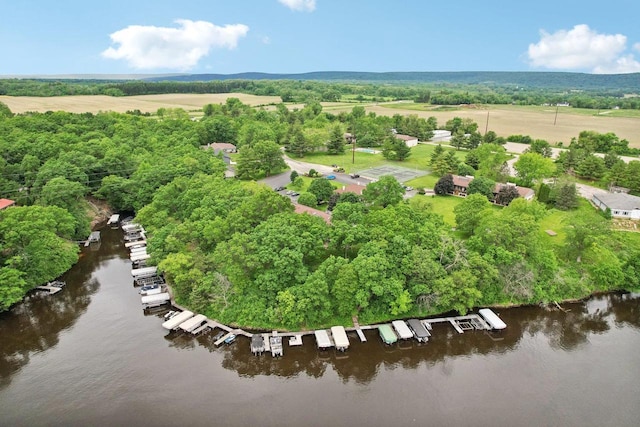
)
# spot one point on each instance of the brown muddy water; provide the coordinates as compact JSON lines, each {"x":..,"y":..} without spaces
{"x":90,"y":356}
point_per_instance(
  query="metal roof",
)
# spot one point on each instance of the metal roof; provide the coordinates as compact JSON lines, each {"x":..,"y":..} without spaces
{"x":387,"y":334}
{"x":619,"y":201}
{"x":402,"y":329}
{"x":322,"y":338}
{"x":340,"y":337}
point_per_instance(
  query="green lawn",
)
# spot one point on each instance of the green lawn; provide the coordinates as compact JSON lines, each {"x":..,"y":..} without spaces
{"x":427,"y":181}
{"x":419,"y":159}
{"x":442,"y":205}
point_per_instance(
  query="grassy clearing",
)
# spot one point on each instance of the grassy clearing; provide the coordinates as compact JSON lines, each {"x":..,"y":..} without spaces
{"x":426,"y":181}
{"x":442,"y":205}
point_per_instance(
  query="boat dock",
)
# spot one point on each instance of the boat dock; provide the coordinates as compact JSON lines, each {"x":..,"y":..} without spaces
{"x":460,"y":323}
{"x":94,"y":237}
{"x":356,"y":327}
{"x":273,"y":342}
{"x":113,"y":220}
{"x":257,"y":344}
{"x":51,"y":289}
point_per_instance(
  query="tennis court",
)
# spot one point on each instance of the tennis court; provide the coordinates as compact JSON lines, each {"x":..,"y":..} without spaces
{"x":399,"y":173}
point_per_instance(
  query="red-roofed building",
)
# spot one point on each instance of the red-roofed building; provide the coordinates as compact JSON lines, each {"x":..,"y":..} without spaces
{"x":301,"y":209}
{"x":5,"y":203}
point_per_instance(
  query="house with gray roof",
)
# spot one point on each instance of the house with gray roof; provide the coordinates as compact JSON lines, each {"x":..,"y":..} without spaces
{"x":621,"y":205}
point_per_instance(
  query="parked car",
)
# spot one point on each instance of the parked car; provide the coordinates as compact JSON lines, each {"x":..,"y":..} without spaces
{"x":294,"y":193}
{"x":278,"y":189}
{"x":408,"y":188}
{"x":354,"y":175}
{"x":338,"y":169}
{"x":330,"y":177}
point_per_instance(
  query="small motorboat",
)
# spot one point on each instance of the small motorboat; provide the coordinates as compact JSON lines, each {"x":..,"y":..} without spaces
{"x":230,"y":339}
{"x":170,"y":314}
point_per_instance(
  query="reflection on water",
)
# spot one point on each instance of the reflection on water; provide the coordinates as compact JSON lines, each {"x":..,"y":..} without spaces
{"x":91,"y":344}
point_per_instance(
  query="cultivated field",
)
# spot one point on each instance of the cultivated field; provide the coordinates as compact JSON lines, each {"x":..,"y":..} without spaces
{"x":506,"y":120}
{"x":144,"y":103}
{"x":535,"y":122}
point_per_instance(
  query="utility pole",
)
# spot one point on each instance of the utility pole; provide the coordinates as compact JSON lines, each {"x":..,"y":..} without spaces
{"x":556,"y":118}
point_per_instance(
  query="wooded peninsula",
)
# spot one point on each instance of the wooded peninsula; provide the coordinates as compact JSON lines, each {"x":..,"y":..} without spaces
{"x":235,"y":250}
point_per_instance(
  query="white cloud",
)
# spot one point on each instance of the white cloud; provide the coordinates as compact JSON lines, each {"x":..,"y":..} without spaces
{"x":300,"y":5}
{"x":265,"y":40}
{"x":636,"y":47}
{"x":582,"y":48}
{"x":622,"y":65}
{"x":150,"y":47}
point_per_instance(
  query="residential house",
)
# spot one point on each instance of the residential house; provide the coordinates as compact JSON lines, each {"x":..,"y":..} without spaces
{"x":5,"y":203}
{"x":411,"y":141}
{"x":524,"y":192}
{"x":461,"y":185}
{"x":351,"y":188}
{"x":461,"y":188}
{"x":302,"y":209}
{"x":622,"y":205}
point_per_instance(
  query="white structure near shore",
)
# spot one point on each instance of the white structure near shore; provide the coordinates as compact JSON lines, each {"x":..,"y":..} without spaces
{"x":621,"y":205}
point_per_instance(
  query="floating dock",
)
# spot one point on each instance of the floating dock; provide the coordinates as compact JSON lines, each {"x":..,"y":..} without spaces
{"x":94,"y":237}
{"x":460,"y":323}
{"x":50,"y":289}
{"x":295,"y":340}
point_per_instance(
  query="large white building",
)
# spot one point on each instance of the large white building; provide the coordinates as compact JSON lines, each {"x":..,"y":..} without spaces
{"x":621,"y":205}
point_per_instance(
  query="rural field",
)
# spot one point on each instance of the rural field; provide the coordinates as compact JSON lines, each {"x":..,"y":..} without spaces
{"x":508,"y":120}
{"x":144,"y":103}
{"x":505,"y":120}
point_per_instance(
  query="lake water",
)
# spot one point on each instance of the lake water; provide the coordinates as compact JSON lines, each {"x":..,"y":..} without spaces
{"x":90,"y":356}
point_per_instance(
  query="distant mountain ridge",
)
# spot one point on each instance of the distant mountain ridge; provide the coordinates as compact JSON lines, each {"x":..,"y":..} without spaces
{"x":521,"y":78}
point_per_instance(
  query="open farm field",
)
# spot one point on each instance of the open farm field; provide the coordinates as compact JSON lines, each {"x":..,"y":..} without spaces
{"x":534,"y":121}
{"x":144,"y":103}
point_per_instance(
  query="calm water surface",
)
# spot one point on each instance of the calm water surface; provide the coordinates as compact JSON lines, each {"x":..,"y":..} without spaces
{"x":90,"y":356}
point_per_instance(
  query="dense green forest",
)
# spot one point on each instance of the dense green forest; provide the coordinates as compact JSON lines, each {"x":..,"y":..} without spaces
{"x":235,"y":250}
{"x":580,"y":90}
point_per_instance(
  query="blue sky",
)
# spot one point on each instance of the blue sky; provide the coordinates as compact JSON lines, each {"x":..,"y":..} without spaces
{"x":291,"y":36}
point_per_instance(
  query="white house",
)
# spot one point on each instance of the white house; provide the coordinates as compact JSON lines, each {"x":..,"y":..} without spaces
{"x":621,"y":205}
{"x":411,"y":141}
